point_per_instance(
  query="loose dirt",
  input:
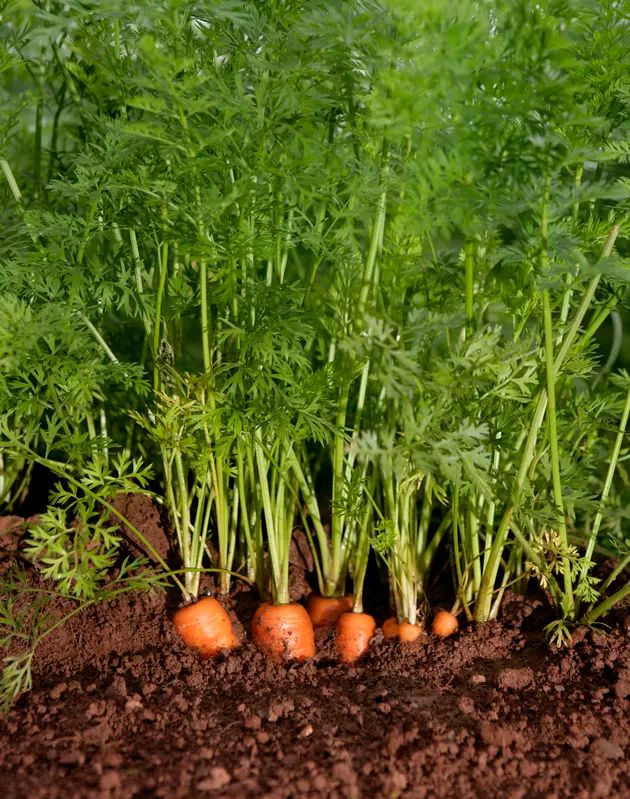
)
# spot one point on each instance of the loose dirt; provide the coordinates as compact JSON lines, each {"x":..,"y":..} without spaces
{"x":120,"y":708}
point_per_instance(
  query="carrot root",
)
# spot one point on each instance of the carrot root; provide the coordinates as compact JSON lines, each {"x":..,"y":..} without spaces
{"x":205,"y":626}
{"x":444,"y":623}
{"x":354,"y":632}
{"x":405,"y":631}
{"x":284,"y":632}
{"x":408,"y":632}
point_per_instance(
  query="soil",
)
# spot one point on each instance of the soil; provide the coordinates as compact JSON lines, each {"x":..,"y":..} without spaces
{"x":120,"y":708}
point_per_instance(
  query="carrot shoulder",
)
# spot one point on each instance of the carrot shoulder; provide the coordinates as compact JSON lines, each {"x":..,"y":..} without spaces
{"x":326,"y":610}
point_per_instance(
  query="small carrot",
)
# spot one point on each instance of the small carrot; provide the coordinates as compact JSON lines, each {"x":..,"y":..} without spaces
{"x":444,"y":623}
{"x":326,"y":610}
{"x":408,"y":632}
{"x":354,"y":632}
{"x":284,"y":632}
{"x":390,"y":628}
{"x":205,"y":626}
{"x":405,"y":631}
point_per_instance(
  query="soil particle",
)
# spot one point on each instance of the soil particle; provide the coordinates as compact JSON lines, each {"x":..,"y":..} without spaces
{"x":606,"y":750}
{"x":515,"y":679}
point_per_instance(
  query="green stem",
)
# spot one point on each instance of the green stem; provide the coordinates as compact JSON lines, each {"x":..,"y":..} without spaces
{"x":619,"y":569}
{"x":157,"y":327}
{"x":612,"y":466}
{"x":469,"y":264}
{"x":205,"y":339}
{"x":606,"y":605}
{"x":568,"y":602}
{"x":183,"y":512}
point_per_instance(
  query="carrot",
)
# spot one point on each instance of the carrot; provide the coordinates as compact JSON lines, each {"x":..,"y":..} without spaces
{"x":326,"y":610}
{"x":405,"y":631}
{"x":205,"y":626}
{"x":284,"y":632}
{"x":354,"y":632}
{"x":408,"y":632}
{"x":444,"y":623}
{"x":390,"y":628}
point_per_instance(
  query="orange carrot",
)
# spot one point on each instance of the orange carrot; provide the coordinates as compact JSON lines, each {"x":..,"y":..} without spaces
{"x":354,"y":632}
{"x":205,"y":626}
{"x":390,"y":628}
{"x":408,"y":632}
{"x":326,"y":610}
{"x":284,"y":632}
{"x":444,"y":623}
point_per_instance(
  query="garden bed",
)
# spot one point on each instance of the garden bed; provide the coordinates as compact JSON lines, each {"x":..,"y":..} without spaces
{"x":121,"y":708}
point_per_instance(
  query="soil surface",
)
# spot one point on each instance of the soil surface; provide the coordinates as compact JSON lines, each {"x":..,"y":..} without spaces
{"x":120,"y":708}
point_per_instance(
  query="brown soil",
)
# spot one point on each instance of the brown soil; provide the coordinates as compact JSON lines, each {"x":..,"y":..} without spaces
{"x":120,"y":708}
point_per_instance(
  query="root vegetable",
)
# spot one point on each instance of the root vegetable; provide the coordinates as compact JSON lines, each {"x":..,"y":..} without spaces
{"x":205,"y":626}
{"x":405,"y":631}
{"x":354,"y":632}
{"x":284,"y":632}
{"x":390,"y":628}
{"x":444,"y":623}
{"x":408,"y":632}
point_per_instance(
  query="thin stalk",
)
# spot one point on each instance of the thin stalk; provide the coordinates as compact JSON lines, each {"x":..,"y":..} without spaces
{"x":37,"y":155}
{"x":184,"y":515}
{"x":459,"y":576}
{"x":104,"y":345}
{"x":362,"y":554}
{"x":15,"y":189}
{"x":245,"y":520}
{"x":425,"y":516}
{"x":490,"y":514}
{"x":568,"y":600}
{"x":157,"y":327}
{"x":434,"y":543}
{"x":619,"y":569}
{"x":55,"y":131}
{"x":167,"y":461}
{"x":604,"y":606}
{"x":469,"y":265}
{"x":205,"y":338}
{"x":332,"y":577}
{"x":472,"y":531}
{"x":612,"y":466}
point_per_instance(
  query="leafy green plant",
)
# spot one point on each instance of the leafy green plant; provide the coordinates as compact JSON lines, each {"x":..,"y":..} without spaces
{"x":349,"y":265}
